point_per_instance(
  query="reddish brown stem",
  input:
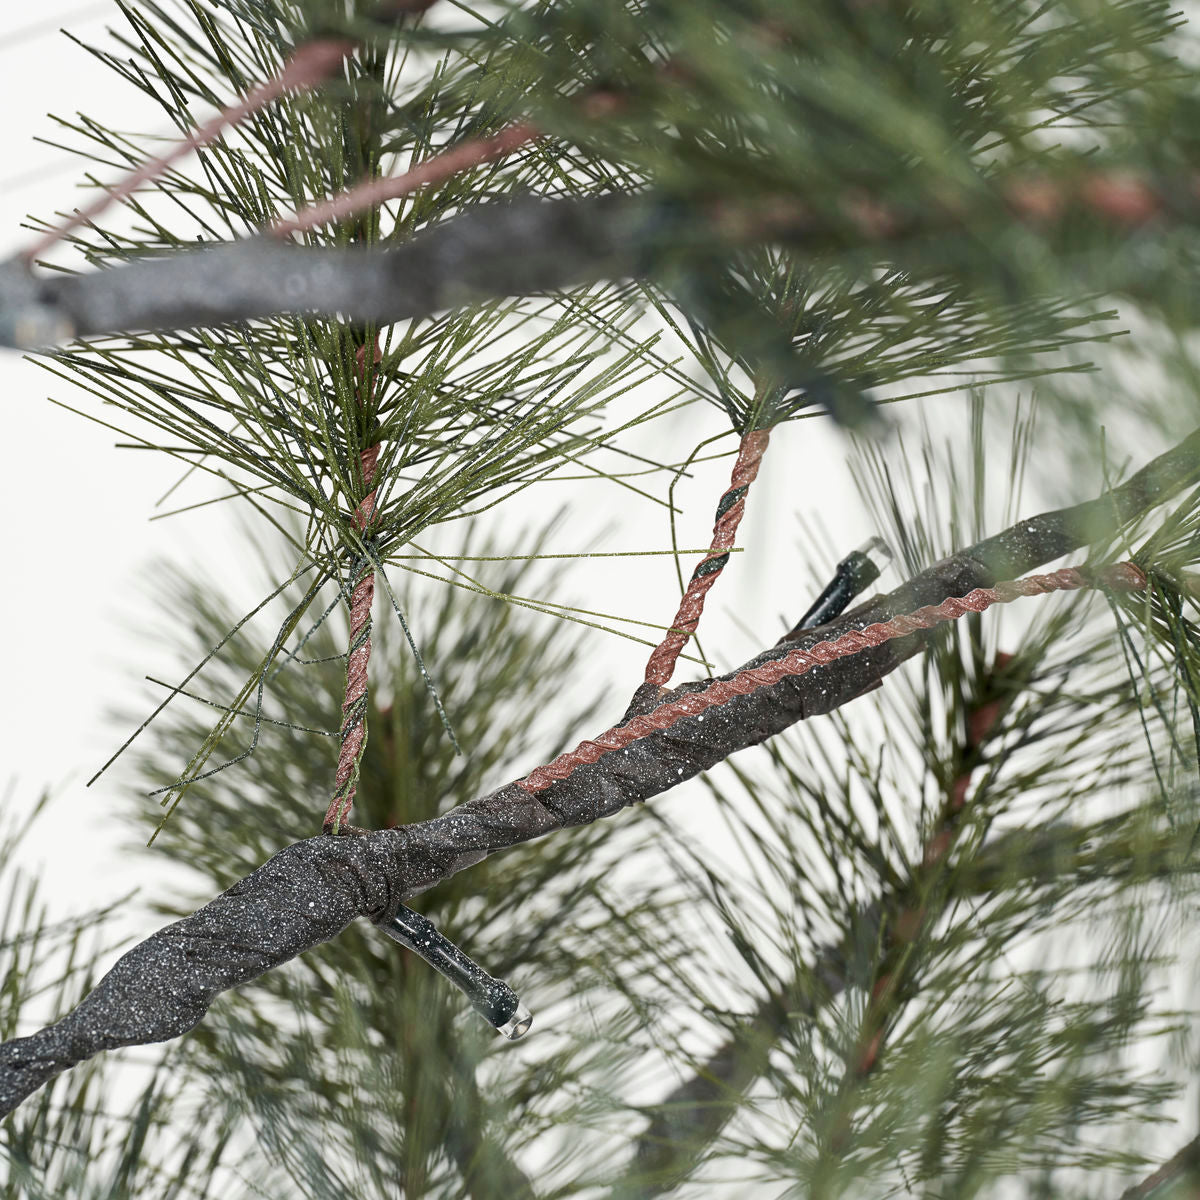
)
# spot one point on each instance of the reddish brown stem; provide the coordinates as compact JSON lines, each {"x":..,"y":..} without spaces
{"x":354,"y":706}
{"x":730,"y":509}
{"x":908,"y":922}
{"x":434,"y":170}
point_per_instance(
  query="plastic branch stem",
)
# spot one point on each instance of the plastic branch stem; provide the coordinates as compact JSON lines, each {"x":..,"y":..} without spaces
{"x":492,"y":998}
{"x":520,"y":247}
{"x":855,"y":573}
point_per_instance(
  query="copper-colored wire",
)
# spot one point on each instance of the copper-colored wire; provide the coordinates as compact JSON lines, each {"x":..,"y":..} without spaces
{"x":307,"y":67}
{"x":434,"y":170}
{"x":1121,"y":577}
{"x":730,"y":508}
{"x":354,"y":705}
{"x":440,"y":167}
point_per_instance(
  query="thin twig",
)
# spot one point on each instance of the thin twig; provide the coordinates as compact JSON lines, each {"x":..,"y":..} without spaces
{"x":358,"y":657}
{"x":730,"y":508}
{"x":307,"y":67}
{"x":437,"y":169}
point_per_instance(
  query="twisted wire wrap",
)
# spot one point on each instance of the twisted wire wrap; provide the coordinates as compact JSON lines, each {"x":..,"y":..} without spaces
{"x":730,"y":508}
{"x":1120,"y":577}
{"x":354,"y":706}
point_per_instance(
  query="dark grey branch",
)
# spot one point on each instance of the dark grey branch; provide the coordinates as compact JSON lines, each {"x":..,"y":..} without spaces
{"x":310,"y":891}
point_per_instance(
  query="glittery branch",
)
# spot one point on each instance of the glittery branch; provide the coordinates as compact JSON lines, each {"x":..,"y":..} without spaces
{"x":310,"y":891}
{"x":730,"y":508}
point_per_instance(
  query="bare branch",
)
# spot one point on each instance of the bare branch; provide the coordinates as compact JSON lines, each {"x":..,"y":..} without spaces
{"x":514,"y":248}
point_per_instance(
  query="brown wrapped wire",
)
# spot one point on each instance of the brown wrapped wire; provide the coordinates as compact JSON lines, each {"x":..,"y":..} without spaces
{"x":1124,"y":577}
{"x":354,"y":706}
{"x":730,"y":508}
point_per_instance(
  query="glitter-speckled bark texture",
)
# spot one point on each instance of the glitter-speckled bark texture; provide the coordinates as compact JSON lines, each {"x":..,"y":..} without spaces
{"x":715,"y":699}
{"x":310,"y":891}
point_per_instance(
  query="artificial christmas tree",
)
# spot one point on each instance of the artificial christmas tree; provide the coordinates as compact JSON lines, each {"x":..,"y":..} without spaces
{"x":526,"y":234}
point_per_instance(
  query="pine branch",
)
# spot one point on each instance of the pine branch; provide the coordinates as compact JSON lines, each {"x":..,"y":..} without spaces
{"x":310,"y":891}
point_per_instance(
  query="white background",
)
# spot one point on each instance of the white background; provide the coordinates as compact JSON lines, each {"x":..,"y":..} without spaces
{"x":75,"y":535}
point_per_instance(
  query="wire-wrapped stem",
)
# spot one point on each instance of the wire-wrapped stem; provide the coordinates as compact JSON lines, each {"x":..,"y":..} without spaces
{"x":436,"y":169}
{"x":1121,"y":577}
{"x":730,"y":509}
{"x":354,"y":706}
{"x":310,"y":891}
